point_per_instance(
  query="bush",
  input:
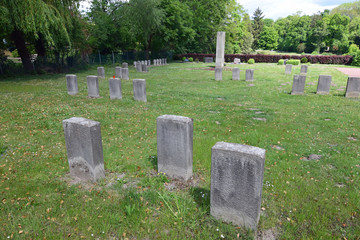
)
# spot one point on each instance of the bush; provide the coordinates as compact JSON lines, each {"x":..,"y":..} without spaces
{"x":191,"y":59}
{"x":315,"y":53}
{"x":304,"y":60}
{"x":353,"y":49}
{"x":293,"y":61}
{"x":183,"y":59}
{"x":251,"y":61}
{"x":281,"y":62}
{"x":356,"y":58}
{"x":15,"y":53}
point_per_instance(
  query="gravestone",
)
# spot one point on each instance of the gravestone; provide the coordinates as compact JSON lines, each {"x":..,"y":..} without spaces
{"x":101,"y":72}
{"x":125,"y":73}
{"x":285,"y":60}
{"x":288,"y":68}
{"x":237,"y":61}
{"x":235,"y":74}
{"x":84,"y":148}
{"x":324,"y":84}
{"x":135,"y":64}
{"x":353,"y":87}
{"x":303,"y":69}
{"x":118,"y":72}
{"x":175,"y":146}
{"x":237,"y":173}
{"x":249,"y":75}
{"x":124,"y":65}
{"x":144,"y":67}
{"x":148,"y":62}
{"x":93,"y":86}
{"x":298,"y":85}
{"x":208,"y":59}
{"x":138,"y":66}
{"x":220,"y":49}
{"x":218,"y":73}
{"x":115,"y":88}
{"x":165,"y":60}
{"x":72,"y":85}
{"x":139,"y":87}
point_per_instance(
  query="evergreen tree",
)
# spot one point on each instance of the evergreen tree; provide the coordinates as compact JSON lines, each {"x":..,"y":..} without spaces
{"x":257,"y":26}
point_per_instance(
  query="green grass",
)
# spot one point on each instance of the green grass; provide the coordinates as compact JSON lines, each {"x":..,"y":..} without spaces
{"x":301,"y":199}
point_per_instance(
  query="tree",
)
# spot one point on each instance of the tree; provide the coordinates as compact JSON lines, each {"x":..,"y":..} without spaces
{"x":354,"y":30}
{"x":338,"y":33}
{"x":247,"y":39}
{"x":257,"y":26}
{"x":268,"y":39}
{"x":318,"y":32}
{"x":351,"y":9}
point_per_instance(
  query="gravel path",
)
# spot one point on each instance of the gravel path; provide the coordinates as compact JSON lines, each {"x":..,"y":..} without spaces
{"x":351,"y":72}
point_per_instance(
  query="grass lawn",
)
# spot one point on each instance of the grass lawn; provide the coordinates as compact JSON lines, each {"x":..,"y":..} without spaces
{"x":302,"y":199}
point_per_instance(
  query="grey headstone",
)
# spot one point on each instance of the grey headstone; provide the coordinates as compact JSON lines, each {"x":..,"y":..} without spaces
{"x":118,"y":72}
{"x":324,"y":84}
{"x":237,"y":173}
{"x":298,"y":85}
{"x":303,"y":69}
{"x":220,"y":49}
{"x":139,"y":87}
{"x":115,"y":88}
{"x":148,"y":62}
{"x":208,"y":59}
{"x":135,"y":64}
{"x":84,"y":148}
{"x":353,"y":87}
{"x":285,"y":60}
{"x":165,"y":60}
{"x":249,"y":75}
{"x":235,"y":74}
{"x":125,"y":73}
{"x":101,"y":72}
{"x":71,"y":83}
{"x":144,"y":67}
{"x":125,"y":65}
{"x":218,"y":73}
{"x":138,"y":66}
{"x":93,"y":86}
{"x":175,"y":146}
{"x":288,"y":68}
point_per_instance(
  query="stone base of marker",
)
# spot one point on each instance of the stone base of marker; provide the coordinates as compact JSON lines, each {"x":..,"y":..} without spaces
{"x":298,"y":85}
{"x":84,"y":148}
{"x":218,"y":73}
{"x":125,"y":73}
{"x":93,"y":86}
{"x":175,"y":146}
{"x":353,"y":87}
{"x":324,"y":84}
{"x":235,"y":74}
{"x":249,"y":75}
{"x":118,"y":72}
{"x":139,"y":87}
{"x":237,"y":173}
{"x":101,"y":72}
{"x":288,"y":68}
{"x":115,"y":88}
{"x":72,"y":85}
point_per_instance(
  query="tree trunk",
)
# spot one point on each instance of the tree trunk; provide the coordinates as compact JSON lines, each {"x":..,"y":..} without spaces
{"x":148,"y":47}
{"x":19,"y":40}
{"x":40,"y":46}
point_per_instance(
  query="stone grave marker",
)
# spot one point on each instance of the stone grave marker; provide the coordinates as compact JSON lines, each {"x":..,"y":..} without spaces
{"x":93,"y":86}
{"x":72,"y":85}
{"x":139,"y":88}
{"x":125,"y":73}
{"x":115,"y":88}
{"x":118,"y":72}
{"x":124,"y":65}
{"x":288,"y":68}
{"x":353,"y":87}
{"x":235,"y":74}
{"x":237,"y":61}
{"x":220,"y":49}
{"x":101,"y":72}
{"x":237,"y":173}
{"x":249,"y":75}
{"x":84,"y":148}
{"x":175,"y":146}
{"x":298,"y":85}
{"x":303,"y":69}
{"x":208,"y":59}
{"x":324,"y":84}
{"x":218,"y":73}
{"x":138,"y":66}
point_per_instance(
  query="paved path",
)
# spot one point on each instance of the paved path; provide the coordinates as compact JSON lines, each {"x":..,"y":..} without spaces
{"x":351,"y":72}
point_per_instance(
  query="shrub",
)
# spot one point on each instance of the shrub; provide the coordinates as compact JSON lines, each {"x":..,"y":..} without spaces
{"x":315,"y":53}
{"x":293,"y":61}
{"x":183,"y":59}
{"x":281,"y":62}
{"x":251,"y":61}
{"x":304,"y":60}
{"x":15,"y":53}
{"x":356,"y":58}
{"x":353,"y":49}
{"x":191,"y":59}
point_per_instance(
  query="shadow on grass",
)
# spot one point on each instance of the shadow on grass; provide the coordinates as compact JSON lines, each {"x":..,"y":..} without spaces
{"x":153,"y":160}
{"x":202,"y":197}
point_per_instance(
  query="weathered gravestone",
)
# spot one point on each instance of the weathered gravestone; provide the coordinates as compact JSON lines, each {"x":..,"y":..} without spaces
{"x":139,"y":87}
{"x":138,"y":66}
{"x":84,"y":148}
{"x":101,"y":72}
{"x":175,"y":146}
{"x":93,"y":86}
{"x":118,"y":72}
{"x":235,"y":74}
{"x":218,"y":73}
{"x":148,"y":62}
{"x":135,"y":64}
{"x":220,"y":49}
{"x":237,"y":61}
{"x":303,"y":69}
{"x":353,"y":87}
{"x":115,"y":88}
{"x":298,"y":85}
{"x":144,"y":67}
{"x":124,"y":65}
{"x":72,"y":85}
{"x":125,"y":73}
{"x":324,"y":84}
{"x":288,"y":68}
{"x":208,"y":59}
{"x":237,"y":173}
{"x":249,"y":75}
{"x":165,"y":60}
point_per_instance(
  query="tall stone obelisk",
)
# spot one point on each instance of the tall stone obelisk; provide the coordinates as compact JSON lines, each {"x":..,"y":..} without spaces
{"x":220,"y":49}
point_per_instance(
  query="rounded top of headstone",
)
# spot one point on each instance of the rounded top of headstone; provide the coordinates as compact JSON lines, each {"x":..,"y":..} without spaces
{"x":100,"y":67}
{"x":92,"y":76}
{"x":70,"y":75}
{"x":139,"y":80}
{"x":81,"y":121}
{"x":235,"y":147}
{"x":175,"y":118}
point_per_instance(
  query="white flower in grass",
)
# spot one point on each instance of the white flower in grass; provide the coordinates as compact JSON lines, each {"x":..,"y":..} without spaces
{"x":222,"y":236}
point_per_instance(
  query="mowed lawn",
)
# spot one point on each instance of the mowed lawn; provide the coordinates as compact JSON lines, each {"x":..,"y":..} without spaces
{"x":301,"y":198}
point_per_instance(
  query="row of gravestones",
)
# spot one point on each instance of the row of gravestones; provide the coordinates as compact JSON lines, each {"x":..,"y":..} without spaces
{"x":139,"y":87}
{"x":120,"y":72}
{"x":143,"y":66}
{"x":237,"y":171}
{"x":249,"y":74}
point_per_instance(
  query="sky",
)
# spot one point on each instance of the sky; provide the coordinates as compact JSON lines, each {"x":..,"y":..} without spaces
{"x":275,"y":9}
